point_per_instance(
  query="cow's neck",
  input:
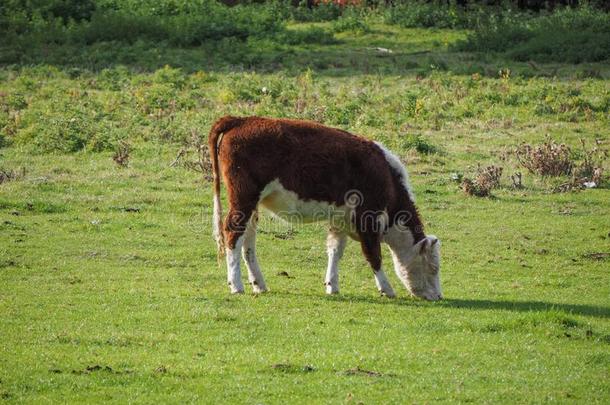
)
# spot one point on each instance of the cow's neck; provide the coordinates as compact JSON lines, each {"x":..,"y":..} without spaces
{"x":406,"y":218}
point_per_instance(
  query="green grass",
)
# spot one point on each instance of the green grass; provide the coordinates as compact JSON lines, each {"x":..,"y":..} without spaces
{"x":109,"y":284}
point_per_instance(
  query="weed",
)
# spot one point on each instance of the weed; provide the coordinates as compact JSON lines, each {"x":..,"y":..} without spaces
{"x":419,"y":143}
{"x":517,"y":179}
{"x":11,"y":174}
{"x":195,"y":156}
{"x":121,"y":154}
{"x":589,"y":173}
{"x":590,"y":170}
{"x":548,"y":159}
{"x":484,"y":181}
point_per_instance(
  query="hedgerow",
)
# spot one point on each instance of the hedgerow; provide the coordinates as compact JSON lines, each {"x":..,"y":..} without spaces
{"x":566,"y":35}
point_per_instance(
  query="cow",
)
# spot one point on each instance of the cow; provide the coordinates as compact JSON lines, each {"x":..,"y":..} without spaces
{"x":302,"y":170}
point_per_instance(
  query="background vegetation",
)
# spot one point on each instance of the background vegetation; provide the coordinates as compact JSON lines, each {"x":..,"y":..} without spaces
{"x":109,"y":285}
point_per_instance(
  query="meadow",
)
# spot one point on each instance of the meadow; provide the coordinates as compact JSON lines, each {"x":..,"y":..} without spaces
{"x":110,"y":289}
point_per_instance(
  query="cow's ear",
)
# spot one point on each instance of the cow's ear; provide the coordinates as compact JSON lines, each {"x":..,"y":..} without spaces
{"x":423,"y":246}
{"x":427,"y":244}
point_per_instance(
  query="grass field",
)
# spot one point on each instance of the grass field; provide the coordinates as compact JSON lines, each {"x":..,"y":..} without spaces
{"x":109,"y":283}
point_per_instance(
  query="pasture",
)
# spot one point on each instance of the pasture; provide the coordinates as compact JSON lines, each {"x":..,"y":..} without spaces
{"x":110,"y":288}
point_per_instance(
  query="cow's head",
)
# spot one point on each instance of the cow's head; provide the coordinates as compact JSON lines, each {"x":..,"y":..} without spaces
{"x":418,"y":267}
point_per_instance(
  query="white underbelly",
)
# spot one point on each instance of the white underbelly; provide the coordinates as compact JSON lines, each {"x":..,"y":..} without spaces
{"x":288,"y":206}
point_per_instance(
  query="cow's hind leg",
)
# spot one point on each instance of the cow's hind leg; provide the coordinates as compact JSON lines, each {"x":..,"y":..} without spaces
{"x":371,"y":247}
{"x":255,"y":276}
{"x":233,"y":262}
{"x":335,"y":245}
{"x":235,"y":225}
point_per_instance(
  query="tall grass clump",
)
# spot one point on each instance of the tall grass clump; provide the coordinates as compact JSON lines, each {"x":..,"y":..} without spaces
{"x":421,"y":13}
{"x":352,"y":25}
{"x":324,"y":11}
{"x":566,"y":35}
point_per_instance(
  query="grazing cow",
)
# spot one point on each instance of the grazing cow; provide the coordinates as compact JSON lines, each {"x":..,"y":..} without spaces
{"x":306,"y":171}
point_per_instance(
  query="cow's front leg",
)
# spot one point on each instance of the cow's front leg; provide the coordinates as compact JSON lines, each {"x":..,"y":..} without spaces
{"x":335,"y":245}
{"x":383,"y":284}
{"x":255,"y":276}
{"x":371,"y":247}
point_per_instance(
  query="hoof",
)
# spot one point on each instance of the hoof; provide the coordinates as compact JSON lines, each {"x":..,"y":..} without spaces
{"x":331,"y":289}
{"x":389,"y":294}
{"x":432,"y":297}
{"x":259,"y":289}
{"x":428,"y":296}
{"x":239,"y":289}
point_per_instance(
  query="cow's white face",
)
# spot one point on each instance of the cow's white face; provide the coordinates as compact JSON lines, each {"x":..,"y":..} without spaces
{"x":423,"y":269}
{"x":418,"y":267}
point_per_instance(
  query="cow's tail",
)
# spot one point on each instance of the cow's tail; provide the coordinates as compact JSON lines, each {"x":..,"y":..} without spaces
{"x":218,"y":129}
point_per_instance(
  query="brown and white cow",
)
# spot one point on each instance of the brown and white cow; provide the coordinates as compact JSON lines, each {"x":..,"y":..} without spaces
{"x":306,"y":171}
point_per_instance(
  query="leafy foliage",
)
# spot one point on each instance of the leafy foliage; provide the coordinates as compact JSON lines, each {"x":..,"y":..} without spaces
{"x":421,"y":13}
{"x":567,"y":35}
{"x":419,"y":143}
{"x":351,"y":24}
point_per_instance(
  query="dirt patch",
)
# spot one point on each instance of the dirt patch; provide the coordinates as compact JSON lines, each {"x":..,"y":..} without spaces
{"x":96,"y":368}
{"x":597,"y":256}
{"x":366,"y":373}
{"x":291,"y":368}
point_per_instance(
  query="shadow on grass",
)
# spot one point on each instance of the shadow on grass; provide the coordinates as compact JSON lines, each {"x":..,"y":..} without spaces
{"x":336,"y":60}
{"x":483,"y":304}
{"x":527,"y":306}
{"x":343,"y":59}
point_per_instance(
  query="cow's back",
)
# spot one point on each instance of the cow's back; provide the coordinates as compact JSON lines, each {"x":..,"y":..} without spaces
{"x":316,"y":162}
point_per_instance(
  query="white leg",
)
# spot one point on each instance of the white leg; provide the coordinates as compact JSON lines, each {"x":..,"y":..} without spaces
{"x":335,"y":245}
{"x":233,"y":270}
{"x":383,"y":284}
{"x":255,"y":276}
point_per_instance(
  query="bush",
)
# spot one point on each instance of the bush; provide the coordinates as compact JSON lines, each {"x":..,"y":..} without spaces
{"x":322,"y":12}
{"x":427,"y":14}
{"x":419,"y":143}
{"x":567,"y":35}
{"x":50,"y":9}
{"x":351,"y":24}
{"x":187,"y":27}
{"x":497,"y":34}
{"x":485,"y":180}
{"x":589,"y":173}
{"x":548,"y":159}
